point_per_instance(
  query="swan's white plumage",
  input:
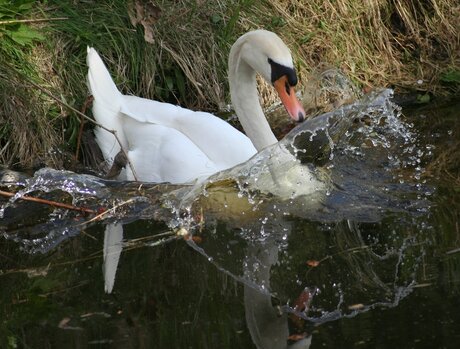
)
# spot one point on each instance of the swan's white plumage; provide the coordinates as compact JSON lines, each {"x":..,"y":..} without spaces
{"x":167,"y":143}
{"x":164,"y":142}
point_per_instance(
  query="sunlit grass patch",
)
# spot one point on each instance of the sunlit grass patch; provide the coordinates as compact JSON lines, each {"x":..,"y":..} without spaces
{"x":407,"y":45}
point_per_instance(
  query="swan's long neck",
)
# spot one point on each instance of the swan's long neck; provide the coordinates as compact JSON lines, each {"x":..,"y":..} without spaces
{"x":245,"y":100}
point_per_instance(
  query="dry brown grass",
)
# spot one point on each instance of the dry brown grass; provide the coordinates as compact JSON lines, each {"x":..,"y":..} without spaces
{"x":28,"y":135}
{"x":376,"y":43}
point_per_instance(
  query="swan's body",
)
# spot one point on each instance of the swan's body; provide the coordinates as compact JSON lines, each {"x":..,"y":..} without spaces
{"x":167,"y":143}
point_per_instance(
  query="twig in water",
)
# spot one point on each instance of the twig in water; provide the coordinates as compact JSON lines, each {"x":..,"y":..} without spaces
{"x":456,"y":250}
{"x":49,"y":202}
{"x":106,"y":212}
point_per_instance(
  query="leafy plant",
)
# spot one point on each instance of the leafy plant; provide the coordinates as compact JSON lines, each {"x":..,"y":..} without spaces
{"x":17,"y":30}
{"x":451,"y":76}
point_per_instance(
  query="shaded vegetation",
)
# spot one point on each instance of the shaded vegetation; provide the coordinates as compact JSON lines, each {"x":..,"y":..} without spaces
{"x":176,"y":51}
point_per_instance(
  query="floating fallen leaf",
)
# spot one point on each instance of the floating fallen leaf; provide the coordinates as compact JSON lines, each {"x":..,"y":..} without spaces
{"x":43,"y":271}
{"x":87,"y":315}
{"x":197,"y":239}
{"x":297,"y":337}
{"x":302,"y":303}
{"x":312,"y":263}
{"x":63,"y":323}
{"x":428,"y":284}
{"x":356,"y":306}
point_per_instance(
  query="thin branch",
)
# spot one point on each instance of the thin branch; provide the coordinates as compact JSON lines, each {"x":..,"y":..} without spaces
{"x":14,"y":21}
{"x":106,"y":212}
{"x":88,"y":101}
{"x":49,"y":202}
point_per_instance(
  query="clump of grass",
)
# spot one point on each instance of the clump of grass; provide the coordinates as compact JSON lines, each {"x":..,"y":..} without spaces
{"x":408,"y":45}
{"x":25,"y":129}
{"x":183,"y":63}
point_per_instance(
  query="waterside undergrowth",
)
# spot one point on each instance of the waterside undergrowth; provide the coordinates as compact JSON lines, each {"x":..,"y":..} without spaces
{"x":176,"y":51}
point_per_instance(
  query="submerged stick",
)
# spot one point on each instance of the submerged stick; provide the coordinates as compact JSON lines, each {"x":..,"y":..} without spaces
{"x":49,"y":202}
{"x":106,"y":212}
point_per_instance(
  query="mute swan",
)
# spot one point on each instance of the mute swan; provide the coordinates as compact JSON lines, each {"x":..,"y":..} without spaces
{"x":167,"y":143}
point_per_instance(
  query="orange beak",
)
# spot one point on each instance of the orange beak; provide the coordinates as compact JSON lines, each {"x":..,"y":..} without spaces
{"x":288,"y":98}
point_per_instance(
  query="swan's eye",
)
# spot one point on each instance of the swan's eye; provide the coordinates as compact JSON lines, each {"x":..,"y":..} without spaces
{"x":287,"y":87}
{"x":279,"y":70}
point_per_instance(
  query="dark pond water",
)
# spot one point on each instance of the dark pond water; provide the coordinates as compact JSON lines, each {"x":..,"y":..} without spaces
{"x":372,"y":260}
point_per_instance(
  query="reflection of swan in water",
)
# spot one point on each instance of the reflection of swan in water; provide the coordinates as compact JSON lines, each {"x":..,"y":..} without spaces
{"x":166,"y":143}
{"x":113,"y":245}
{"x":267,"y":325}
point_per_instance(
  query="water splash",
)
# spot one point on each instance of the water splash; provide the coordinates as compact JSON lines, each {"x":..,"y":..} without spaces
{"x":343,"y":189}
{"x":356,"y":188}
{"x":357,"y":162}
{"x":39,"y":227}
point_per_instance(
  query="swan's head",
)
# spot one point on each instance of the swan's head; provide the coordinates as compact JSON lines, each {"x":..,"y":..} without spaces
{"x":268,"y":55}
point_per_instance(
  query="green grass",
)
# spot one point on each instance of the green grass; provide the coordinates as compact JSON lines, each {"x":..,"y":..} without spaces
{"x":25,"y":130}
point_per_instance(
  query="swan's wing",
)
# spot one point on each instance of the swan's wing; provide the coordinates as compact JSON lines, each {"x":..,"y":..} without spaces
{"x":164,"y":142}
{"x":218,"y":140}
{"x":163,"y":154}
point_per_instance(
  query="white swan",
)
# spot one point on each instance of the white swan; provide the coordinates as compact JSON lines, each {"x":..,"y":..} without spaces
{"x":167,"y":143}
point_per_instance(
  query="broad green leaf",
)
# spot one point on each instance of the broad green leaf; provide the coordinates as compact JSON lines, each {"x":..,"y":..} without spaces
{"x":24,"y":35}
{"x":180,"y":82}
{"x":451,"y":76}
{"x":425,"y":98}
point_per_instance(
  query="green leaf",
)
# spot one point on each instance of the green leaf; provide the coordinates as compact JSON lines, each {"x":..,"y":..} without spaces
{"x":306,"y":38}
{"x":24,"y":35}
{"x":216,"y":19}
{"x":169,"y":83}
{"x":278,"y":21}
{"x":425,"y":98}
{"x":452,"y":76}
{"x":12,"y":342}
{"x":180,"y":82}
{"x":25,"y":6}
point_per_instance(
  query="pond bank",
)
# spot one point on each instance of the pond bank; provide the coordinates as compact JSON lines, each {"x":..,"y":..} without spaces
{"x":176,"y":51}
